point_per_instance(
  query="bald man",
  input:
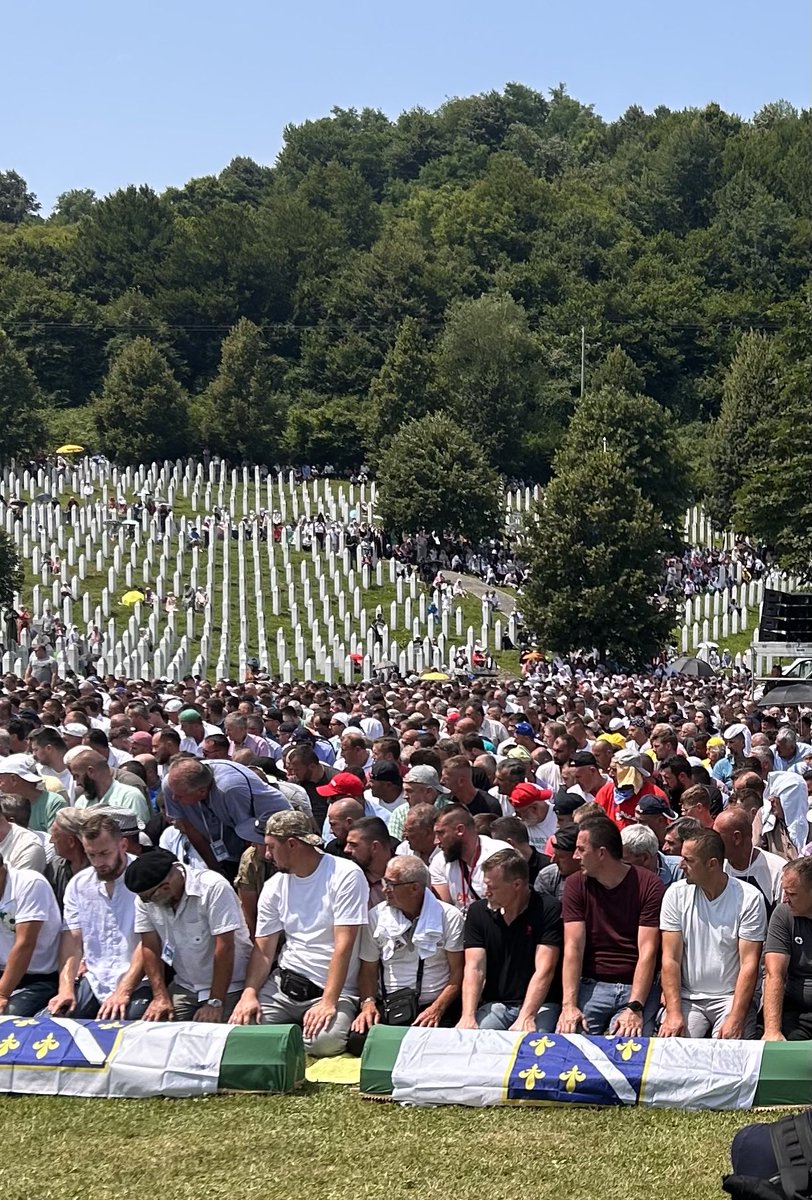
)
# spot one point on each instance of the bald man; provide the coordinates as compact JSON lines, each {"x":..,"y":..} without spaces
{"x":100,"y":790}
{"x":341,"y":816}
{"x":745,"y":861}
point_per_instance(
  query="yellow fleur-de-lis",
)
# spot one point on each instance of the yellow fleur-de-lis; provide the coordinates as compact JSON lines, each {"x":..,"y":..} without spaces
{"x":8,"y":1043}
{"x":531,"y":1077}
{"x":541,"y":1044}
{"x":627,"y":1049}
{"x":572,"y":1078}
{"x":21,"y":1021}
{"x":111,"y":1025}
{"x":46,"y":1045}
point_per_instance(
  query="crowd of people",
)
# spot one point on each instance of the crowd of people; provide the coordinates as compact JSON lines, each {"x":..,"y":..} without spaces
{"x":579,"y":851}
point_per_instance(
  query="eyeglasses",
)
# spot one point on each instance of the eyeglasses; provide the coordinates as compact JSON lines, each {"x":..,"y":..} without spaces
{"x":146,"y":897}
{"x":389,"y":885}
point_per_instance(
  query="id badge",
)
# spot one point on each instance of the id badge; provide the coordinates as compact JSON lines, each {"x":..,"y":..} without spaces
{"x":168,"y":954}
{"x":219,"y":850}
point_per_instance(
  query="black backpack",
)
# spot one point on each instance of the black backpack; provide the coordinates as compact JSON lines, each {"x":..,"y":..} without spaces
{"x":783,"y":1151}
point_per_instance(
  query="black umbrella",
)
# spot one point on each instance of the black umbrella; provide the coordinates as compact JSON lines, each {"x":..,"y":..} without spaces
{"x":693,"y":667}
{"x":788,"y":693}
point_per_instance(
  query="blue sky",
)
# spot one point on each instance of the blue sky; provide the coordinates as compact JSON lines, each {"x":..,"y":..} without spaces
{"x":105,"y":94}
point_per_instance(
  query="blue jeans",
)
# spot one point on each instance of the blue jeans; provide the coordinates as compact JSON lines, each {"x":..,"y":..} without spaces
{"x":88,"y":1004}
{"x":602,"y":1003}
{"x":32,"y":994}
{"x":495,"y":1015}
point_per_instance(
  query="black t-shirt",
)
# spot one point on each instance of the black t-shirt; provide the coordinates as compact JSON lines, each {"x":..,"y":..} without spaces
{"x":483,"y":803}
{"x":535,"y":862}
{"x":510,"y":949}
{"x":319,"y":804}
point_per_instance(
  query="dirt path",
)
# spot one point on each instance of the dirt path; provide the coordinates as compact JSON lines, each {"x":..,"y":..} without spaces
{"x":474,"y":586}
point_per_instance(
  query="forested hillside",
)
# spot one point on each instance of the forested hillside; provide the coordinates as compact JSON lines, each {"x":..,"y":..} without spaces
{"x":383,"y":269}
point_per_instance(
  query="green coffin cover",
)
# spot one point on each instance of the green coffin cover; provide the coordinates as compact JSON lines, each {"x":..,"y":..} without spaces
{"x":262,"y":1058}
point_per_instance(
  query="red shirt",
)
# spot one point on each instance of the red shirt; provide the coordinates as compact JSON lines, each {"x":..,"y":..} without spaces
{"x":613,"y":918}
{"x":623,"y":813}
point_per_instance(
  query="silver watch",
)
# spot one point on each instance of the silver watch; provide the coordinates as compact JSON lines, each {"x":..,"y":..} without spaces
{"x":212,"y":1003}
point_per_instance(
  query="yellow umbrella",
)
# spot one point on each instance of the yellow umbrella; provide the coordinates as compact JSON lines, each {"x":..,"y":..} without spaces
{"x":132,"y":597}
{"x":70,"y":448}
{"x":435,"y":676}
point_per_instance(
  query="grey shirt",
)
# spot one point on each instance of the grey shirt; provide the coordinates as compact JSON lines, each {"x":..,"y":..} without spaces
{"x":793,"y":936}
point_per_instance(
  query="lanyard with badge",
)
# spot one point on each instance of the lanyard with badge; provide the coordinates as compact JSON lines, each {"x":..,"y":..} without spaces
{"x":218,"y":845}
{"x":467,"y":878}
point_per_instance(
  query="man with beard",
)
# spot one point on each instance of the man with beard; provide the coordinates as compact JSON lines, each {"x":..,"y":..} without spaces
{"x":368,"y":844}
{"x":99,"y":933}
{"x":457,"y":877}
{"x":165,"y":745}
{"x":676,"y":778}
{"x":319,"y":902}
{"x":100,"y":790}
{"x":191,"y":920}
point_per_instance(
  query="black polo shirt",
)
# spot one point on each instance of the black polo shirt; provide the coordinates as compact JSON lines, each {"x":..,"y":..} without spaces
{"x":510,"y":949}
{"x":534,"y":864}
{"x":483,"y":803}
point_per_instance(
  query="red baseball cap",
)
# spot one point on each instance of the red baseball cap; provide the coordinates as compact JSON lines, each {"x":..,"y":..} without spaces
{"x":528,"y":793}
{"x":343,"y":784}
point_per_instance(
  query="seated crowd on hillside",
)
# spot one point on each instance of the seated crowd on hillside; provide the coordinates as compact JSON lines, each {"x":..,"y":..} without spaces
{"x":579,"y":852}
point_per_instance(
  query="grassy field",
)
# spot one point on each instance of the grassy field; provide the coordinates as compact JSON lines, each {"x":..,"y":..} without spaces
{"x":332,"y":1145}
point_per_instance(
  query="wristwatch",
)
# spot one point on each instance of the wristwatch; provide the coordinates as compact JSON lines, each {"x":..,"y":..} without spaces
{"x":212,"y":1003}
{"x":636,"y":1007}
{"x":370,"y":1000}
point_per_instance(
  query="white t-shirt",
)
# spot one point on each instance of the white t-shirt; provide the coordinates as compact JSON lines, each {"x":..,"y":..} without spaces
{"x":388,"y":805}
{"x":208,"y":907}
{"x":64,"y":777}
{"x":549,"y":775}
{"x":400,"y":970}
{"x":765,"y":872}
{"x":464,"y":891}
{"x":28,"y":896}
{"x":541,"y":833}
{"x":22,"y":848}
{"x":711,"y":930}
{"x":172,"y":839}
{"x":307,"y":908}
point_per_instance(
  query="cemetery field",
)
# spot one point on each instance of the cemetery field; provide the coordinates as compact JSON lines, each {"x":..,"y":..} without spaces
{"x":329,"y":1144}
{"x":257,"y":595}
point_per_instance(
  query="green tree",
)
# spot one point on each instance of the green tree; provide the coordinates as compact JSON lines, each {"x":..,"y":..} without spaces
{"x":141,"y":414}
{"x":617,"y":370}
{"x":123,"y":243}
{"x":750,"y":394}
{"x":435,"y":476}
{"x":11,"y":571}
{"x":20,"y":415}
{"x":73,"y":205}
{"x":16,"y":202}
{"x":489,"y":364}
{"x":775,"y":501}
{"x":643,"y":434}
{"x":403,"y":390}
{"x":595,"y":554}
{"x":241,"y":412}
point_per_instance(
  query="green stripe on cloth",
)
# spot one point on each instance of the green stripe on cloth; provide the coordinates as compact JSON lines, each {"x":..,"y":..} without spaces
{"x":378,"y":1059}
{"x":458,"y":1067}
{"x":786,"y":1074}
{"x":262,"y":1058}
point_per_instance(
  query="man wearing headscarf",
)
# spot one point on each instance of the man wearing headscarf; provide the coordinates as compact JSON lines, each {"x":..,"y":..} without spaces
{"x":630,"y":781}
